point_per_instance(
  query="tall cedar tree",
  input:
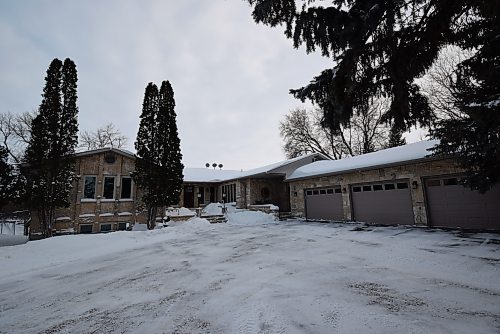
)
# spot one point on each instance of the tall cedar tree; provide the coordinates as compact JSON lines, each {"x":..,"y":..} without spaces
{"x":6,"y":178}
{"x":380,"y":47}
{"x":158,"y":168}
{"x":49,"y":157}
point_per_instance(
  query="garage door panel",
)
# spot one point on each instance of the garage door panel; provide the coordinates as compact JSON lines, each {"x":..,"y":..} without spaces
{"x":457,"y":206}
{"x":326,"y":206}
{"x":389,"y":205}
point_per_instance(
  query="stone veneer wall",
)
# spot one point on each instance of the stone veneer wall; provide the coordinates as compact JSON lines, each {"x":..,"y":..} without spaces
{"x":412,"y":172}
{"x":98,"y":211}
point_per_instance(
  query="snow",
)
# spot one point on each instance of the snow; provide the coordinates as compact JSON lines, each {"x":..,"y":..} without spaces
{"x":87,"y":215}
{"x":124,"y":213}
{"x":63,"y":218}
{"x":212,"y":209}
{"x":139,"y":227}
{"x":179,"y":212}
{"x":209,"y":174}
{"x":253,"y":275}
{"x":106,"y":214}
{"x":409,"y":152}
{"x":219,"y":175}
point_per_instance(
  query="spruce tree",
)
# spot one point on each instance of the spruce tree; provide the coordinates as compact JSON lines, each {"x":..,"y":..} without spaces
{"x":395,"y":138}
{"x":49,"y":157}
{"x":158,"y":168}
{"x":6,"y":178}
{"x":172,"y":157}
{"x":379,"y":48}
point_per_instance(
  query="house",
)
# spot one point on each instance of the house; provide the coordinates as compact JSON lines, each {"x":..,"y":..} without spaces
{"x":401,"y":185}
{"x":104,"y":197}
{"x":263,"y":185}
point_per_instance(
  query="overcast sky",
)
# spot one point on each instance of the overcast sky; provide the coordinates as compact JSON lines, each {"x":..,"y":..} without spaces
{"x":230,"y":76}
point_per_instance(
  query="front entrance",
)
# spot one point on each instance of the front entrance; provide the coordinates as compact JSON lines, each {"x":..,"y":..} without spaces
{"x":189,"y":196}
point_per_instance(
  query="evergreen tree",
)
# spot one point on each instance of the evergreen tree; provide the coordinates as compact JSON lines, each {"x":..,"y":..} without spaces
{"x":379,"y":48}
{"x":475,"y":138}
{"x":170,"y":146}
{"x":158,"y":168}
{"x":395,"y":138}
{"x":6,"y":178}
{"x":49,"y":160}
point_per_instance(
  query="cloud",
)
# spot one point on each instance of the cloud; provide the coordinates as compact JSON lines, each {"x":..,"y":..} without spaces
{"x":230,"y":76}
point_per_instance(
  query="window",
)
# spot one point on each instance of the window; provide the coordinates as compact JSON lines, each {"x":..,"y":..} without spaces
{"x":389,"y":186}
{"x":89,"y":187}
{"x":322,"y":191}
{"x":309,"y":192}
{"x":122,"y":226}
{"x":315,"y":192}
{"x":377,"y":187}
{"x":450,"y":182}
{"x":105,"y":227}
{"x":367,"y":188}
{"x":433,"y":183}
{"x":126,"y":188}
{"x":86,"y":228}
{"x":402,"y":185}
{"x":338,"y":191}
{"x":108,"y":190}
{"x":356,"y":189}
{"x":329,"y":191}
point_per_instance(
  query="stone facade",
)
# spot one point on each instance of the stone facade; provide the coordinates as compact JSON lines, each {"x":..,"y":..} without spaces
{"x":414,"y":172}
{"x":96,"y":214}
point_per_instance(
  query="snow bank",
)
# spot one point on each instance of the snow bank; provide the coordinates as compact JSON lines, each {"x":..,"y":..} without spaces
{"x":171,"y":212}
{"x":140,"y":227}
{"x":212,"y":209}
{"x":12,"y":240}
{"x":250,"y":218}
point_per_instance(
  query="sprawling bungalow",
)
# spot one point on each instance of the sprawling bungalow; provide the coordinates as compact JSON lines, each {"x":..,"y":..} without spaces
{"x":104,"y":197}
{"x":401,"y":185}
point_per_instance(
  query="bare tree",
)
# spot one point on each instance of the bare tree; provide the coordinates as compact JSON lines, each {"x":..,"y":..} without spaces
{"x":303,"y":133}
{"x":15,"y":132}
{"x":105,"y":136}
{"x":438,"y":86}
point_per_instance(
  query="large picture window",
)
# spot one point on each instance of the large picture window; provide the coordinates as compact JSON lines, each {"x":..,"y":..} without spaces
{"x":89,"y":187}
{"x":108,"y":191}
{"x":126,"y":188}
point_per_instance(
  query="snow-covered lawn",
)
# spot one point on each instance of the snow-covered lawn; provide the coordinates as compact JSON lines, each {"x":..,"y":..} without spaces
{"x":253,"y":275}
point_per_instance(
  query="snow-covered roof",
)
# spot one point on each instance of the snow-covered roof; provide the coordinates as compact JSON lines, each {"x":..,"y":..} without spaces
{"x":209,"y":174}
{"x":221,"y":175}
{"x":390,"y":156}
{"x":106,"y":149}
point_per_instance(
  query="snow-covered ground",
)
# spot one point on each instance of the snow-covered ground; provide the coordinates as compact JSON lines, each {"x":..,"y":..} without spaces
{"x":253,"y":275}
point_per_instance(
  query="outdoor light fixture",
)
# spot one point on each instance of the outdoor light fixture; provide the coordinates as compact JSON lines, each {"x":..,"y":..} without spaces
{"x":414,"y":185}
{"x":344,"y":190}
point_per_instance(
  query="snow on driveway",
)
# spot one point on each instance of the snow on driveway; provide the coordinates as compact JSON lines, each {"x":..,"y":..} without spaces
{"x":267,"y":277}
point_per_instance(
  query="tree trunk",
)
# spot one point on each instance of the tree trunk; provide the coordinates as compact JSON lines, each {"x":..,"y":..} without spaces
{"x":152,"y":217}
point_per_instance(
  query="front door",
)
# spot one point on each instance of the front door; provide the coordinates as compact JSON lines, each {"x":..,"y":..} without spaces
{"x":189,"y":196}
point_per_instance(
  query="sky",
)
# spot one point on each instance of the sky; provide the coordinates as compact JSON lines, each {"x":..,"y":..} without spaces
{"x":230,"y":76}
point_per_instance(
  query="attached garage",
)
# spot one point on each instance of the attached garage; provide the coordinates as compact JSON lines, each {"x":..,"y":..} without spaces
{"x":383,"y":203}
{"x":452,"y":205}
{"x":324,"y":204}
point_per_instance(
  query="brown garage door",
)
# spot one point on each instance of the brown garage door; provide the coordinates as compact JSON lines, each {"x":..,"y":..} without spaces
{"x":324,"y":203}
{"x":383,"y":203}
{"x":452,"y":205}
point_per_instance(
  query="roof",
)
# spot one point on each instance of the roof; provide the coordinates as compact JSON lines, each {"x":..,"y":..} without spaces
{"x":106,"y":149}
{"x":221,"y":175}
{"x":209,"y":175}
{"x":390,"y":156}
